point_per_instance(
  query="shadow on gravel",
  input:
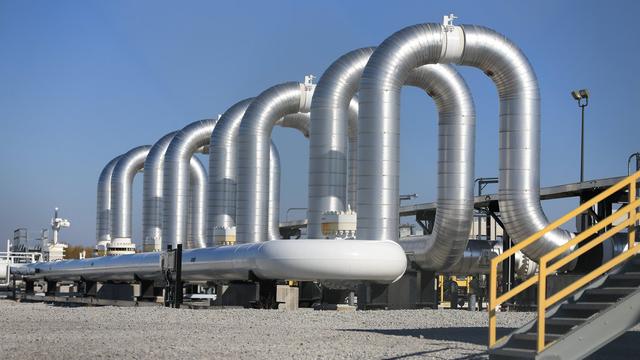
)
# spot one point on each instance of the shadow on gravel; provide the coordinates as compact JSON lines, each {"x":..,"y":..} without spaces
{"x":471,"y":335}
{"x":624,"y":347}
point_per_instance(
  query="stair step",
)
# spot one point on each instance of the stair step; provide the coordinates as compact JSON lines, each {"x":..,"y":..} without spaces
{"x":611,"y":291}
{"x":534,"y":336}
{"x":508,"y":352}
{"x":626,"y":276}
{"x":587,"y":306}
{"x":564,"y":321}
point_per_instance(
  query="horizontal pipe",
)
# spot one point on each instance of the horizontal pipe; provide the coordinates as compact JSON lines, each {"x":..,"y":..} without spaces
{"x":301,"y":260}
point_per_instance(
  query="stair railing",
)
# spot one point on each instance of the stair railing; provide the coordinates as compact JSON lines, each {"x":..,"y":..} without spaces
{"x":630,"y":215}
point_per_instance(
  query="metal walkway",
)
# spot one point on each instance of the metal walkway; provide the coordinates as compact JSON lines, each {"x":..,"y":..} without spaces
{"x":584,"y":323}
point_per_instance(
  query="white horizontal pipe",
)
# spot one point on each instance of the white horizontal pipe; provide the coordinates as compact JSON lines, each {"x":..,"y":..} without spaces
{"x":381,"y":261}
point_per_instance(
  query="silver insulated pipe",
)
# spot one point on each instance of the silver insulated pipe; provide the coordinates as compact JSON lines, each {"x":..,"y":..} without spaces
{"x":103,"y":211}
{"x":253,"y":162}
{"x":378,"y":134}
{"x":352,"y":187}
{"x":274,"y":193}
{"x":197,"y":219}
{"x":126,"y":168}
{"x":223,"y":168}
{"x":176,"y":182}
{"x":152,"y":195}
{"x":328,"y":143}
{"x":446,"y":245}
{"x":299,"y":121}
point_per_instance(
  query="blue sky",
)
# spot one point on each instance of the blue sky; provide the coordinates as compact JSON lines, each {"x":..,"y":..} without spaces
{"x":83,"y":81}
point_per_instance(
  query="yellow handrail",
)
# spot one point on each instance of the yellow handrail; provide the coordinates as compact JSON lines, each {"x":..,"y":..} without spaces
{"x":545,"y":269}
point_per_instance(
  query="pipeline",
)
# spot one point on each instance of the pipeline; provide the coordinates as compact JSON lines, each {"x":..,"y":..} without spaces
{"x":126,"y":168}
{"x":378,"y":142}
{"x":223,"y":168}
{"x":103,"y":211}
{"x":274,"y":193}
{"x":253,"y":164}
{"x":197,"y":217}
{"x":302,"y":260}
{"x":176,"y":183}
{"x":446,"y":245}
{"x":328,"y":142}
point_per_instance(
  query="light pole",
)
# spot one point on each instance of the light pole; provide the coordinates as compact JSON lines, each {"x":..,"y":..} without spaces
{"x":582,"y":96}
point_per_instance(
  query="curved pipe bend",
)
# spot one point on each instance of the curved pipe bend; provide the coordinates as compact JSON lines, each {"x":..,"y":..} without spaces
{"x":152,"y":196}
{"x":129,"y":164}
{"x":254,"y":135}
{"x":103,"y":205}
{"x":386,"y":71}
{"x":331,"y":122}
{"x":446,"y":245}
{"x":176,"y":182}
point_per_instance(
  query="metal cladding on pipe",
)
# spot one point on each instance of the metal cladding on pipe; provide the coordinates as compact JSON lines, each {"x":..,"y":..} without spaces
{"x":253,"y":161}
{"x":176,"y":179}
{"x":352,"y":187}
{"x":274,"y":193}
{"x":329,"y":138}
{"x":519,"y":184}
{"x":152,"y":195}
{"x":446,"y":245}
{"x":299,"y":121}
{"x":378,"y":133}
{"x":129,"y":164}
{"x":103,"y":211}
{"x":477,"y":255}
{"x":198,"y":217}
{"x":301,"y":260}
{"x":223,"y":168}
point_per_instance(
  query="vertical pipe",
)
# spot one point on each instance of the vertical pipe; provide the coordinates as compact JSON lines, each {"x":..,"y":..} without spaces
{"x":103,"y":211}
{"x":274,"y":193}
{"x":253,"y":159}
{"x":352,"y":187}
{"x":152,"y":195}
{"x":198,"y":184}
{"x":128,"y":165}
{"x":378,"y":133}
{"x":329,"y":136}
{"x":223,"y":167}
{"x":176,"y":178}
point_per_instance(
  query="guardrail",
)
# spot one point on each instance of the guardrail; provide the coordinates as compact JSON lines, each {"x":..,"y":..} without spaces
{"x":628,"y":213}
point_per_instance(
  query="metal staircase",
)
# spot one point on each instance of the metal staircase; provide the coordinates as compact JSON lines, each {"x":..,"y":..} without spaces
{"x":590,"y":312}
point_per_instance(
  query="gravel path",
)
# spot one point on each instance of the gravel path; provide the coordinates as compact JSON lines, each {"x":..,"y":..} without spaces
{"x":43,"y":331}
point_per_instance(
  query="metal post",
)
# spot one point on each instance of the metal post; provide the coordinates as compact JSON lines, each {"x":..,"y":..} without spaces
{"x":506,"y":265}
{"x":177,"y":286}
{"x":582,"y":145}
{"x":13,"y":288}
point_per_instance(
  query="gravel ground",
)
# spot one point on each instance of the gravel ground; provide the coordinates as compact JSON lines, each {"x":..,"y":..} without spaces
{"x":35,"y":330}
